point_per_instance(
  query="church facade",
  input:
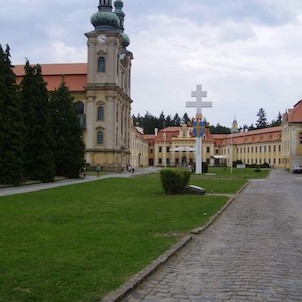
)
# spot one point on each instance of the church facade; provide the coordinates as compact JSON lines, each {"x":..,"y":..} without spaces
{"x":102,"y":92}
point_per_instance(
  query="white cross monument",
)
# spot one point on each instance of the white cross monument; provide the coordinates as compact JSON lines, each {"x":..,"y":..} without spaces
{"x":199,"y":104}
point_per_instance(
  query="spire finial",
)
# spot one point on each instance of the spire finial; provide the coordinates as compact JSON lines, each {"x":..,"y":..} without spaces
{"x":105,"y":5}
{"x":118,"y":4}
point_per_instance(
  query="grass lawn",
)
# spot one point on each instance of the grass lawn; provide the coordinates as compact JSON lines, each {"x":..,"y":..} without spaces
{"x":247,"y":173}
{"x":77,"y":243}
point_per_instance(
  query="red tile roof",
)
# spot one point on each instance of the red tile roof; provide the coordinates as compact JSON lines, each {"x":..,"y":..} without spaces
{"x":270,"y":134}
{"x":295,"y":114}
{"x":75,"y":75}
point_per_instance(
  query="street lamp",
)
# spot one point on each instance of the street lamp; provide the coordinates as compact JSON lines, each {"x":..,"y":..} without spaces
{"x":165,"y":149}
{"x":234,"y":129}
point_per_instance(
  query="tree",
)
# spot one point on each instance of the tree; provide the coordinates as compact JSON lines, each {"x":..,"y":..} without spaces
{"x":68,"y":146}
{"x":11,"y":121}
{"x":150,"y":123}
{"x":38,"y":160}
{"x":162,"y":121}
{"x":262,"y":121}
{"x":219,"y":129}
{"x":176,"y":120}
{"x":278,"y":121}
{"x":251,"y":127}
{"x":168,"y":121}
{"x":185,"y":119}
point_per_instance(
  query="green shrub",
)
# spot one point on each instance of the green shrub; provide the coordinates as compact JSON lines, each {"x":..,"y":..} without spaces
{"x":205,"y":167}
{"x":265,"y":165}
{"x":237,"y":162}
{"x":257,"y":169}
{"x":174,"y":181}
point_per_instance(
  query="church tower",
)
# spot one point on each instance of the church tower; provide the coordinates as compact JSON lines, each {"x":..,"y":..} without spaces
{"x":108,"y":105}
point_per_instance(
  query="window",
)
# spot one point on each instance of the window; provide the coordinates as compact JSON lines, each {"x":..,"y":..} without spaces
{"x":159,"y":149}
{"x":79,"y":107}
{"x":160,"y":161}
{"x":300,"y":137}
{"x":100,"y":113}
{"x":101,"y":64}
{"x":208,"y":149}
{"x":100,"y":137}
{"x":168,"y":149}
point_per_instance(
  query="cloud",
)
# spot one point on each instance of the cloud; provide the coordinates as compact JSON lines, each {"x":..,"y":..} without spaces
{"x":234,"y":60}
{"x":245,"y":53}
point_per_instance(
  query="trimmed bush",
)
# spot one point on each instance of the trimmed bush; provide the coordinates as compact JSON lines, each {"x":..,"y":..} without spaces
{"x":237,"y":162}
{"x":174,"y":181}
{"x":205,"y":167}
{"x":265,"y":165}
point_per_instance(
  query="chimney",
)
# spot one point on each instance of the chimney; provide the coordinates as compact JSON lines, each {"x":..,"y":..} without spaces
{"x":156,"y":131}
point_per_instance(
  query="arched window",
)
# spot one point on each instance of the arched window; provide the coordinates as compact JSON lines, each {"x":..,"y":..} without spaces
{"x":100,"y":137}
{"x":79,"y":107}
{"x":100,"y":113}
{"x":101,"y":64}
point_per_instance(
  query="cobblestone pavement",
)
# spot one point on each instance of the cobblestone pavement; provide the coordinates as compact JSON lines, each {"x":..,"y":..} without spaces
{"x":253,"y":252}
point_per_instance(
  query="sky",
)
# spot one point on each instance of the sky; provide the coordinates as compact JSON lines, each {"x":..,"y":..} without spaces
{"x":247,"y":54}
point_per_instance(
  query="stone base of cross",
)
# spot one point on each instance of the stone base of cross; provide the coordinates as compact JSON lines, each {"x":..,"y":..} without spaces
{"x":199,"y":104}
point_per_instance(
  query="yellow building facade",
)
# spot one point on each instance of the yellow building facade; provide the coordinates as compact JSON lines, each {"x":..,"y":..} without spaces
{"x":292,"y":137}
{"x":279,"y":146}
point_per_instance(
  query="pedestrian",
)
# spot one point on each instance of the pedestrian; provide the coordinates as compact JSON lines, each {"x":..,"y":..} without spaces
{"x":82,"y":172}
{"x":98,"y":170}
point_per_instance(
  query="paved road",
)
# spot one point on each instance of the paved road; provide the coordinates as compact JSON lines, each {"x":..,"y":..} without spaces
{"x":253,"y":252}
{"x":66,"y":182}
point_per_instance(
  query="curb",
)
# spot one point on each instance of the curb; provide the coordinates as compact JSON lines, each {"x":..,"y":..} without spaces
{"x":134,"y":282}
{"x":218,"y":213}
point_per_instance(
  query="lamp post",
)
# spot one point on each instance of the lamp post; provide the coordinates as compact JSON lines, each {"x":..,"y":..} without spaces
{"x":165,"y":149}
{"x":234,"y":129}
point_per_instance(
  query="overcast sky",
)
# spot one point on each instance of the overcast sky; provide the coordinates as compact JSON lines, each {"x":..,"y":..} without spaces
{"x":247,"y":54}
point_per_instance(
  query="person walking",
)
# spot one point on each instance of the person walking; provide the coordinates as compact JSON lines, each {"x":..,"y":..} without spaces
{"x":98,"y":170}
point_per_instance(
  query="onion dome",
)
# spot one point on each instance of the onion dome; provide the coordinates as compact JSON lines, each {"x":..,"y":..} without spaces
{"x":118,"y":4}
{"x":126,"y":40}
{"x":105,"y":18}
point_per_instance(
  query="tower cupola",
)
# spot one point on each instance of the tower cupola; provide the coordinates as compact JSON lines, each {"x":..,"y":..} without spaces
{"x":105,"y":18}
{"x":118,"y":4}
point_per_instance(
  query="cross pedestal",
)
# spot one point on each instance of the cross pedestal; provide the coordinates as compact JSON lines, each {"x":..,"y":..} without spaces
{"x":199,"y":104}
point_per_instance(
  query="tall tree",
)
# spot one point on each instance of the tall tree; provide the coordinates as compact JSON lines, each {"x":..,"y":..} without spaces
{"x":68,"y":146}
{"x":278,"y":121}
{"x":176,"y":120}
{"x":38,"y":157}
{"x":185,"y":119}
{"x":262,"y":120}
{"x":162,"y":121}
{"x":11,"y":121}
{"x":168,"y":121}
